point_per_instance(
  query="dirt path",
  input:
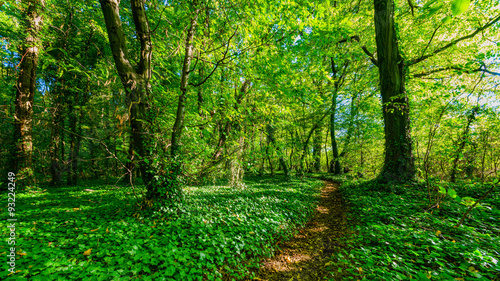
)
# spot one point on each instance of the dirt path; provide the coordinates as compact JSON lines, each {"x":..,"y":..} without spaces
{"x":304,"y":256}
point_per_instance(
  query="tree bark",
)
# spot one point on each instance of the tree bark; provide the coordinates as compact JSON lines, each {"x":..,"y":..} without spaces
{"x":317,"y":149}
{"x":55,"y":140}
{"x":270,"y":129}
{"x":25,"y":93}
{"x":134,"y":79}
{"x":398,"y":162}
{"x":339,"y":80}
{"x":74,"y":145}
{"x":463,"y":142}
{"x":336,"y":160}
{"x":181,"y":105}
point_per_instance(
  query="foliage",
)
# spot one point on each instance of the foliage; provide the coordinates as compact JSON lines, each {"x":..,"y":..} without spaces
{"x":94,"y":232}
{"x":398,"y":237}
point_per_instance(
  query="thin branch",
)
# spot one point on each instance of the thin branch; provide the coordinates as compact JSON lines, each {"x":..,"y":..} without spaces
{"x":454,"y":42}
{"x":430,"y":40}
{"x":365,"y":50}
{"x":482,"y":68}
{"x":475,"y":203}
{"x":219,"y":62}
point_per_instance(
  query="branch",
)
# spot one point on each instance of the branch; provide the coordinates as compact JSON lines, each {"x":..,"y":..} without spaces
{"x":482,"y":68}
{"x":111,"y":12}
{"x":454,"y":42}
{"x":370,"y":55}
{"x":144,"y":34}
{"x":365,"y":50}
{"x":472,"y":207}
{"x":218,"y":62}
{"x":430,"y":40}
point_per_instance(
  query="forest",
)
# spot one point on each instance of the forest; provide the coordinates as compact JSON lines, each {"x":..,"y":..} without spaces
{"x":250,"y":140}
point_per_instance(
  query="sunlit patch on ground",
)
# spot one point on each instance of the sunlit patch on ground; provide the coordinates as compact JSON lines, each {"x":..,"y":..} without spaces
{"x":304,"y":256}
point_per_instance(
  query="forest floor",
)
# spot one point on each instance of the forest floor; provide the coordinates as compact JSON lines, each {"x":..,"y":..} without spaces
{"x":305,"y":256}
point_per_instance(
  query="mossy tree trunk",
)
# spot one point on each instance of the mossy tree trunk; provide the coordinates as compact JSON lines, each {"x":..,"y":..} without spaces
{"x":398,"y":162}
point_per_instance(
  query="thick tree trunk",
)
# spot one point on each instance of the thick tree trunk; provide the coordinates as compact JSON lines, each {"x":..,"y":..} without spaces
{"x":25,"y":93}
{"x":398,"y":162}
{"x":134,"y":79}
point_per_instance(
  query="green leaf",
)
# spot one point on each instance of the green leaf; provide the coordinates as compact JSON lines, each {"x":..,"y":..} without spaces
{"x":458,"y":199}
{"x":446,"y":19}
{"x":459,"y":6}
{"x":452,"y":193}
{"x":442,"y":190}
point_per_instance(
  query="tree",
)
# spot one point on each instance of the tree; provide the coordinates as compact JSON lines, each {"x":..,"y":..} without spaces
{"x":135,"y":79}
{"x":25,"y":91}
{"x":398,"y":162}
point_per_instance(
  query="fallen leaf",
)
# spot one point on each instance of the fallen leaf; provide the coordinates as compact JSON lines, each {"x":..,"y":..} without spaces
{"x":94,"y":229}
{"x":438,"y":233}
{"x":107,"y":231}
{"x":87,"y":253}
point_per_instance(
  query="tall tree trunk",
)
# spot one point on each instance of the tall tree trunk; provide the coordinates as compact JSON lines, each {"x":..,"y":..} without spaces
{"x":175,"y":152}
{"x":463,"y":141}
{"x":270,"y":129}
{"x":55,"y":141}
{"x":72,"y":144}
{"x":353,"y":112}
{"x":25,"y":92}
{"x":317,"y":149}
{"x":75,"y":141}
{"x":398,"y":162}
{"x":339,"y":78}
{"x":134,"y":79}
{"x":335,"y":150}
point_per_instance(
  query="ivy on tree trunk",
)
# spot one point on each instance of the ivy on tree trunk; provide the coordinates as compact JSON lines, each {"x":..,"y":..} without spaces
{"x":398,"y":162}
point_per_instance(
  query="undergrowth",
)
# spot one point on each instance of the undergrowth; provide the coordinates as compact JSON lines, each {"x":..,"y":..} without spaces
{"x":398,"y":237}
{"x":218,"y":231}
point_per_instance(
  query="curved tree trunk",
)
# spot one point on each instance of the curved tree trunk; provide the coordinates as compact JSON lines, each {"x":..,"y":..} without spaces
{"x":398,"y":162}
{"x":134,"y":79}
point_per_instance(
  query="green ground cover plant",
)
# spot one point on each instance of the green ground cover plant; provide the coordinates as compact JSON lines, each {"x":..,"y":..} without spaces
{"x":94,"y":231}
{"x":398,"y":237}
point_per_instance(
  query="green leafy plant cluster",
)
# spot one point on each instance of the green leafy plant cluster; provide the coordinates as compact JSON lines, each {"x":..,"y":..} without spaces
{"x":398,"y":236}
{"x":95,"y":232}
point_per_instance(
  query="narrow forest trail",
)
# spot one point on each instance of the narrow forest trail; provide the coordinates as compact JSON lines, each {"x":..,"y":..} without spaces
{"x":304,"y":256}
